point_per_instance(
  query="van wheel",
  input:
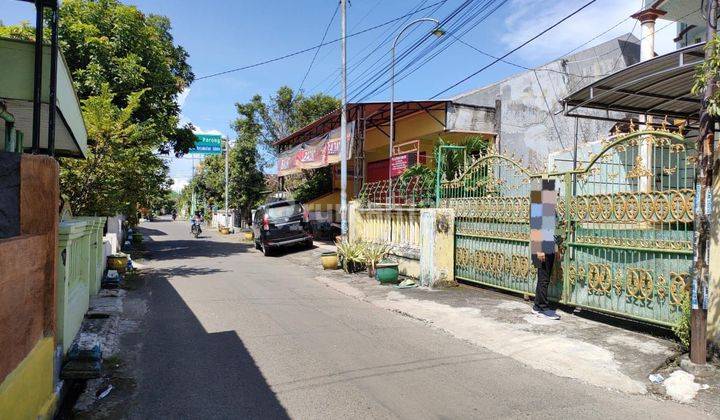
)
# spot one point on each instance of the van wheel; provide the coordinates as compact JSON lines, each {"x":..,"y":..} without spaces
{"x":257,"y":245}
{"x":309,"y":244}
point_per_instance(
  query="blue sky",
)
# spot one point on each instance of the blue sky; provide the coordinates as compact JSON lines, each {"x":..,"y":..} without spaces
{"x":225,"y":34}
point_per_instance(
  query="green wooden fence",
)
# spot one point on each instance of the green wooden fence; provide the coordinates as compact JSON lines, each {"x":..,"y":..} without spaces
{"x":624,"y":215}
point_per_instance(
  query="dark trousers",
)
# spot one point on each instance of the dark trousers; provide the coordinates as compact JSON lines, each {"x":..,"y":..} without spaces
{"x":544,"y":270}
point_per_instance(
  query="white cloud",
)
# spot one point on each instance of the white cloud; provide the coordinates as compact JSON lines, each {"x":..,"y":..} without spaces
{"x":182,"y":97}
{"x":198,"y":130}
{"x":179,"y":184}
{"x":530,"y":17}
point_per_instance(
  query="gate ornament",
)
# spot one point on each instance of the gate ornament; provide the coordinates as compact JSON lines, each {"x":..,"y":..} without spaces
{"x":639,"y":170}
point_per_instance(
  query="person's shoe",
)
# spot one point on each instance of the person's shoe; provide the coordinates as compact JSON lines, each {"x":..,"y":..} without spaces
{"x":549,"y":314}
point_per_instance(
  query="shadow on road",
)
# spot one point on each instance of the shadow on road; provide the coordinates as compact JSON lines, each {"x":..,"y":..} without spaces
{"x":147,"y":232}
{"x":184,"y":371}
{"x":191,"y":248}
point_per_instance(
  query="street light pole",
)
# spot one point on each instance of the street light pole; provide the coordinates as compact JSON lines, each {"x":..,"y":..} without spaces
{"x":343,"y":123}
{"x":437,"y":31}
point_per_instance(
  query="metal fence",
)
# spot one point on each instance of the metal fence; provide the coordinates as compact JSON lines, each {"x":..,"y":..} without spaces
{"x":625,"y":218}
{"x":413,"y":192}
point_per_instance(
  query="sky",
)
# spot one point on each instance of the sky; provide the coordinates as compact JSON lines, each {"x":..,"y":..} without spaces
{"x":221,"y":35}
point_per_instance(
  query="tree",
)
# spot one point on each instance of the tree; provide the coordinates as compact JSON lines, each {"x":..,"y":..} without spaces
{"x":247,"y":181}
{"x":288,"y":112}
{"x":121,"y":172}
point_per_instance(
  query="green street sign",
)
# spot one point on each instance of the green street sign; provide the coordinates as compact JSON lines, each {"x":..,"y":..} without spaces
{"x":207,"y":144}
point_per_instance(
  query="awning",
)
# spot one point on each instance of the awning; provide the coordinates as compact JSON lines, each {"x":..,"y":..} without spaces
{"x":16,"y":91}
{"x":658,"y":87}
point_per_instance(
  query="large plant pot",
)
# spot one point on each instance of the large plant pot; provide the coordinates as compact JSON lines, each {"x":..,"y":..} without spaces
{"x":329,"y":260}
{"x":387,"y":272}
{"x":248,"y":235}
{"x":117,"y":262}
{"x":224,"y":231}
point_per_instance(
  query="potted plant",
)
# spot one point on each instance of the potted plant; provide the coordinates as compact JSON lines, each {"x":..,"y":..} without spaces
{"x":248,"y":234}
{"x":351,"y":255}
{"x":374,"y":253}
{"x":387,"y":271}
{"x":329,"y":260}
{"x":224,"y":230}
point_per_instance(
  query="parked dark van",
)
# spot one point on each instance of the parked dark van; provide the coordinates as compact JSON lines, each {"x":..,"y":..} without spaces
{"x":279,"y":224}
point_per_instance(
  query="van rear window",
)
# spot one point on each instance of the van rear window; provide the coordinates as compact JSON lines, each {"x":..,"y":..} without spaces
{"x":284,"y":210}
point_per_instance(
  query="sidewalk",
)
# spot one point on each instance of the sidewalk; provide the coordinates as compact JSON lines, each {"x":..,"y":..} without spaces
{"x":602,"y":351}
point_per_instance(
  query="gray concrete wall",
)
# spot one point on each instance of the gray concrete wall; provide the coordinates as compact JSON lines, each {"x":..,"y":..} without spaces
{"x":530,"y":100}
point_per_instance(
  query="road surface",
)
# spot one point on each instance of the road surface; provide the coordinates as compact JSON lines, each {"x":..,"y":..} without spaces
{"x":232,"y":334}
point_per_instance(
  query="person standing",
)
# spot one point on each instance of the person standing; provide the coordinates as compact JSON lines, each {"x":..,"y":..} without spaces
{"x":543,"y":242}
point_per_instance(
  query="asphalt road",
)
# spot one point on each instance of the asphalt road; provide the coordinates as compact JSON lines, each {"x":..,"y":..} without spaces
{"x":232,"y":334}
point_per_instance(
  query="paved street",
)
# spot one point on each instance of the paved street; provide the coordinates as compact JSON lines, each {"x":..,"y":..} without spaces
{"x":229,"y":333}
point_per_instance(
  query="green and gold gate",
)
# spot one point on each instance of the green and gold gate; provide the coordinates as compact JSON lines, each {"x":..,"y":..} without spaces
{"x":491,"y":198}
{"x":628,"y":216}
{"x":625,"y":216}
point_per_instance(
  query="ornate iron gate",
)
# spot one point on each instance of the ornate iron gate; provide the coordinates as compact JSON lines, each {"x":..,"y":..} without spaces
{"x":491,"y":198}
{"x":625,"y":217}
{"x":629,"y":226}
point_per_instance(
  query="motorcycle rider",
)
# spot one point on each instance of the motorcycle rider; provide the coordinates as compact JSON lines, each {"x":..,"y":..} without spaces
{"x":196,"y":220}
{"x":174,"y":214}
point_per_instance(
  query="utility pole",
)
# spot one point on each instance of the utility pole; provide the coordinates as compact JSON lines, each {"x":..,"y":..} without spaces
{"x":343,"y":123}
{"x":227,"y":154}
{"x":703,"y":209}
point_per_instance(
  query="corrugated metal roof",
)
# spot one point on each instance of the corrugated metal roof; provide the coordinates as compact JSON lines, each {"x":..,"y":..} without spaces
{"x":659,"y":87}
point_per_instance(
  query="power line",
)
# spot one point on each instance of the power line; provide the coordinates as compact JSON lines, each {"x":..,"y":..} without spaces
{"x":544,"y":31}
{"x":298,"y":52}
{"x":327,"y":28}
{"x":385,"y":41}
{"x":466,"y":18}
{"x":406,"y":53}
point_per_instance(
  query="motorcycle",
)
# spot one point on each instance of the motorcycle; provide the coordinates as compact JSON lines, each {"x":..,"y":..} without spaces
{"x":174,"y":216}
{"x":195,"y":230}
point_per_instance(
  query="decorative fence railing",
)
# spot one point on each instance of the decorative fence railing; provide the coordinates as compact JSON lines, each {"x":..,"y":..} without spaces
{"x":416,"y":191}
{"x":624,"y":218}
{"x":399,"y":228}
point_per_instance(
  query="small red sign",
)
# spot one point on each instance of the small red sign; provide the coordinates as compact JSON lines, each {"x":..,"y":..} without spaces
{"x":399,"y":164}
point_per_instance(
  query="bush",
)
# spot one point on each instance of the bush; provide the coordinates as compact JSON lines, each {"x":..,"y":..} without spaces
{"x":682,"y":325}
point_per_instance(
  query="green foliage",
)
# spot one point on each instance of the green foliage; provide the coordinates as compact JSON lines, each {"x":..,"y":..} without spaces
{"x":289,"y":111}
{"x":454,"y":161}
{"x":22,"y":31}
{"x":374,"y":253}
{"x":121,"y":172}
{"x":682,"y":325}
{"x":314,"y":184}
{"x":709,"y":70}
{"x":350,"y":252}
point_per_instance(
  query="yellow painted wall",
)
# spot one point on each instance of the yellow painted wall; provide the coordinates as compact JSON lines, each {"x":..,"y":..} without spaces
{"x":27,"y":392}
{"x":412,"y":127}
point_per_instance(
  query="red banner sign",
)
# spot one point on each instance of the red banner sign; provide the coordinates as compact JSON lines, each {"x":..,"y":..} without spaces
{"x":316,"y":153}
